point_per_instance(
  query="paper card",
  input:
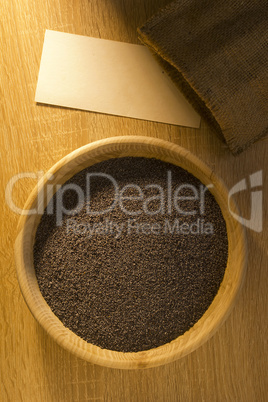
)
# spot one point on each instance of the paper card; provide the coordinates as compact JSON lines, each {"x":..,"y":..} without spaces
{"x":109,"y":77}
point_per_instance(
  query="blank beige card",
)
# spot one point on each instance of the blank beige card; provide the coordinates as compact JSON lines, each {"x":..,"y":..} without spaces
{"x":109,"y":77}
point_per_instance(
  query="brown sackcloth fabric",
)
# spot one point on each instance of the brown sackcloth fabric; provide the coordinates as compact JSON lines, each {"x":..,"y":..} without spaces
{"x":217,"y":52}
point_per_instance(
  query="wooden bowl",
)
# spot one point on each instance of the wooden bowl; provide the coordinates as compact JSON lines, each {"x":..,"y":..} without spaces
{"x":64,"y":170}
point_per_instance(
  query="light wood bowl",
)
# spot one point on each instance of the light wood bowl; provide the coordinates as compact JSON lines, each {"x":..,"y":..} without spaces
{"x":215,"y":314}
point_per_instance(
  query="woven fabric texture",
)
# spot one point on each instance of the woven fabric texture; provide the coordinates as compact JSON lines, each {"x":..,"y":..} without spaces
{"x":217,"y":53}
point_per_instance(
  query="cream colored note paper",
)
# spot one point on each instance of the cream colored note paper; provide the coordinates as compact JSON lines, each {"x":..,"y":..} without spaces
{"x":109,"y":77}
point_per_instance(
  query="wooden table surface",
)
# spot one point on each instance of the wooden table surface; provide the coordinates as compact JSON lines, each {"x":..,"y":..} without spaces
{"x":231,"y":366}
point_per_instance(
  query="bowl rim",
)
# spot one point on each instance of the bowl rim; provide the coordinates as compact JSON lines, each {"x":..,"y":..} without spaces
{"x":220,"y":307}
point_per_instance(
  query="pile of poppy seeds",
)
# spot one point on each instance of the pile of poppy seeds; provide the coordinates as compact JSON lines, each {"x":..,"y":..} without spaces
{"x":130,"y":253}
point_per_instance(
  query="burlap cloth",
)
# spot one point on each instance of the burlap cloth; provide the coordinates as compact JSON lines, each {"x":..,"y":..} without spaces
{"x":216,"y":51}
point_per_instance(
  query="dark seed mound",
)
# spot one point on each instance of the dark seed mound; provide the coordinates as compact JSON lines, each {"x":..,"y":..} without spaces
{"x":145,"y":285}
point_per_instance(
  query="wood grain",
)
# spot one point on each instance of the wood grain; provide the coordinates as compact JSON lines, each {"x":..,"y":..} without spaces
{"x":232,"y":365}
